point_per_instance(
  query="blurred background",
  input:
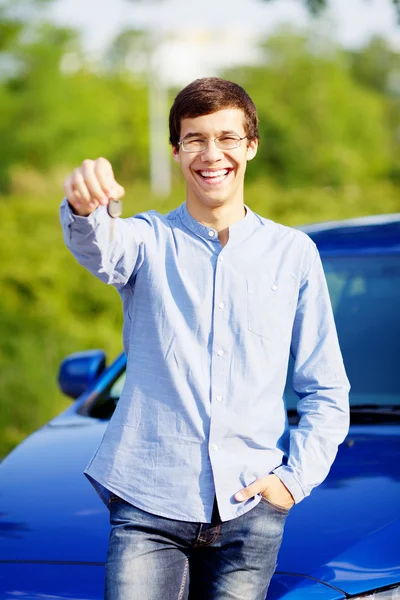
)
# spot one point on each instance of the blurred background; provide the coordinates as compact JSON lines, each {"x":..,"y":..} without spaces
{"x":84,"y":78}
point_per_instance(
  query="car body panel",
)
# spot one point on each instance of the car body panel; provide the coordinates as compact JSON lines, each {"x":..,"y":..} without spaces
{"x":347,"y":507}
{"x":366,"y":235}
{"x":358,"y":498}
{"x":35,"y":581}
{"x":54,"y":497}
{"x":374,"y":559}
{"x":297,"y":587}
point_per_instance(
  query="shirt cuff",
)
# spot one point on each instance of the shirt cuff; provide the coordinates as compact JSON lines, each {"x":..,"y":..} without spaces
{"x":69,"y":219}
{"x":287,"y":477}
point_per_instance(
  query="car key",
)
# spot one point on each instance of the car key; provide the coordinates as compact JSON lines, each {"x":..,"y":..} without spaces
{"x":114,"y":209}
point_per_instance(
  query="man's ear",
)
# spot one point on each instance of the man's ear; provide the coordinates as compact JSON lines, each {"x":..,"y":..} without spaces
{"x":252,"y":149}
{"x":175,"y":154}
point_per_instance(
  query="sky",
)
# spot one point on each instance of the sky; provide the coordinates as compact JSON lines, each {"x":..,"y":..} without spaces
{"x":217,"y":33}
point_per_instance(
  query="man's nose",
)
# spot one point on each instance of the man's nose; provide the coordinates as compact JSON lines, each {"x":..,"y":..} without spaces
{"x":211,"y":153}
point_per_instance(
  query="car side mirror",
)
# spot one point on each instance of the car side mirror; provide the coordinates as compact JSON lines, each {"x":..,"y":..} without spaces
{"x":80,"y":370}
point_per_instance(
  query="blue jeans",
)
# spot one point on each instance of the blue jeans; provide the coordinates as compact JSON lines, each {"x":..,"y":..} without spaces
{"x":154,"y":558}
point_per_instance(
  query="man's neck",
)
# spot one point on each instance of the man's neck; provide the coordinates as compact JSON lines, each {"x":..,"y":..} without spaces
{"x":219,"y":218}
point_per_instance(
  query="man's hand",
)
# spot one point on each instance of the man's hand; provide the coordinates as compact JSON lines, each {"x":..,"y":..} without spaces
{"x":271,"y":488}
{"x":90,"y":185}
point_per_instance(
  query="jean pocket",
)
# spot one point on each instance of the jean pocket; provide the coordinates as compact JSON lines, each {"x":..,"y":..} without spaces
{"x":271,"y":306}
{"x":280,"y":509}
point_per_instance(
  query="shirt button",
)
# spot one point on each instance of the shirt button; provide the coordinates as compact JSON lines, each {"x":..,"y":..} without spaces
{"x":211,"y":233}
{"x":221,"y":259}
{"x":221,"y":305}
{"x":214,"y":447}
{"x":274,"y":288}
{"x":218,"y":398}
{"x":220,"y":352}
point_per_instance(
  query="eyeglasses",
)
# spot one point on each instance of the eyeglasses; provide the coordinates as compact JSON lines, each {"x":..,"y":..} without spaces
{"x":223,"y":142}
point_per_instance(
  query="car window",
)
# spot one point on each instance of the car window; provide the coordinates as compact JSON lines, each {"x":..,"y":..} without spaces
{"x":365,"y":294}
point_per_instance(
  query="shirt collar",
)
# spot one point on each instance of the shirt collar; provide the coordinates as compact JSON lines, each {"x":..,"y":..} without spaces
{"x":237,"y":232}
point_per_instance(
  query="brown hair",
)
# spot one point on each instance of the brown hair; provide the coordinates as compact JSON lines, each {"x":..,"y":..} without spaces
{"x":206,"y":96}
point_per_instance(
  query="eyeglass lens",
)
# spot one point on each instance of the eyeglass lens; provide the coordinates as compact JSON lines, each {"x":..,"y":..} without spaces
{"x":225,"y":142}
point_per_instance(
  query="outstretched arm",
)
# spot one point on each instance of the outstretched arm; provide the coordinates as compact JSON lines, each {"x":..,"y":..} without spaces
{"x":87,"y":229}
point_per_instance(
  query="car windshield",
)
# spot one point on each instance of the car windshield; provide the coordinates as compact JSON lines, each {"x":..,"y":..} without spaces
{"x":365,"y":294}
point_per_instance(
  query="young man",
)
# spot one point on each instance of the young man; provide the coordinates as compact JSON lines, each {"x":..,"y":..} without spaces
{"x":197,"y":465}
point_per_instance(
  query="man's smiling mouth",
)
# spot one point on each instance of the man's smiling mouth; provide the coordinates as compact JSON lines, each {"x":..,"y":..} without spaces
{"x":214,"y":176}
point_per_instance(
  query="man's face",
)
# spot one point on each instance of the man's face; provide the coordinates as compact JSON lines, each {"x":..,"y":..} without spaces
{"x":215,"y":177}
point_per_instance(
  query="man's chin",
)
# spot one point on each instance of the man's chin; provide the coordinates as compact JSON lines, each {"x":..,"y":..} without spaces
{"x":219,"y":194}
{"x":213,"y":200}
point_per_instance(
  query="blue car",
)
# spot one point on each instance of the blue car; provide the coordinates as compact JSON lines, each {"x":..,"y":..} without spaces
{"x":341,"y":542}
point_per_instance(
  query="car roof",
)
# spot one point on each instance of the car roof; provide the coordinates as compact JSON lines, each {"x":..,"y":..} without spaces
{"x":365,"y":235}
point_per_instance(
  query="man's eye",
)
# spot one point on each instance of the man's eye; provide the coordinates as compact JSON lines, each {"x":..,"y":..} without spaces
{"x":195,"y":142}
{"x":228,"y":138}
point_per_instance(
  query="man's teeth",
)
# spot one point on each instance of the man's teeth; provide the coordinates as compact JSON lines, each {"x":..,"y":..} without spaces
{"x":211,"y":174}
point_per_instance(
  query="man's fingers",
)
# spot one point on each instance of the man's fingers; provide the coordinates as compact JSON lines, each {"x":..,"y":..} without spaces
{"x":79,"y":187}
{"x":252,"y":490}
{"x":269,"y":486}
{"x":119,"y":191}
{"x":69,"y":192}
{"x":105,"y":175}
{"x":92,"y":183}
{"x":78,"y":195}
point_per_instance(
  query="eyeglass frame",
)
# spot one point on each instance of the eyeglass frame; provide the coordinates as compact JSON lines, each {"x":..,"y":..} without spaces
{"x":239,"y":140}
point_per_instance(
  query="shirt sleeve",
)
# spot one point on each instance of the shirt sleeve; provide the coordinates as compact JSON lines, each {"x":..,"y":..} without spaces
{"x":320,"y":381}
{"x":113,"y":259}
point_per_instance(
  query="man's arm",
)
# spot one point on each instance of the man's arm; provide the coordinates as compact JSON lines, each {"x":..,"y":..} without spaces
{"x":86,"y":225}
{"x":320,"y":381}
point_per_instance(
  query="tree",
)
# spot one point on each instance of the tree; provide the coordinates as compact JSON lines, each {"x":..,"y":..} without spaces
{"x":317,"y":125}
{"x":57,"y":108}
{"x":376,"y":67}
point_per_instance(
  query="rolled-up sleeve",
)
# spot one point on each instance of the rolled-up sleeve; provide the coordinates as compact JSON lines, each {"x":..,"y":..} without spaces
{"x":320,"y":381}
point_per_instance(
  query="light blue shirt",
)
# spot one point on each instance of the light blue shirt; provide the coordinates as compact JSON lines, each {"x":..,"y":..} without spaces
{"x":208,"y":331}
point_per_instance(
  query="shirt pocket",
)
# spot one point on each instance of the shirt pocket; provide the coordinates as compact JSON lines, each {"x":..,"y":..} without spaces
{"x":271,"y":306}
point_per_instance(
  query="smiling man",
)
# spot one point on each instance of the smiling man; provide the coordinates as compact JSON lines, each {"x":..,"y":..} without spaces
{"x":213,"y":161}
{"x":198,"y":466}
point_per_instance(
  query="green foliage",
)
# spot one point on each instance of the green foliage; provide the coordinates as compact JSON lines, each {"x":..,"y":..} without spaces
{"x":329,"y":123}
{"x":317,"y":124}
{"x":59,"y":111}
{"x":376,"y":68}
{"x":327,"y":117}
